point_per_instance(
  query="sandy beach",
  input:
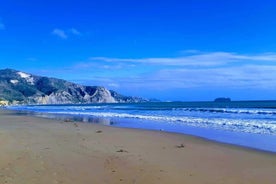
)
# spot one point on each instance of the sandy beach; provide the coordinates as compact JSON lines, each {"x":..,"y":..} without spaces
{"x":36,"y":150}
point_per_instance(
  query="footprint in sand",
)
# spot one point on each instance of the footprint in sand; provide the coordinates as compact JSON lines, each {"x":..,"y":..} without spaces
{"x":122,"y":151}
{"x":180,"y":146}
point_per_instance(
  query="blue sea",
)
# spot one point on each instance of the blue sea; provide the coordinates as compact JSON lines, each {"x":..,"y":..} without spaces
{"x":246,"y":123}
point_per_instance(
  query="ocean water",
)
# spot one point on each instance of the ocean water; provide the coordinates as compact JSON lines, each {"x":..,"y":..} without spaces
{"x":246,"y":123}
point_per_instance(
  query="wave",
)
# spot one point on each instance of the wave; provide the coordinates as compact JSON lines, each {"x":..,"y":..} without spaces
{"x":229,"y":110}
{"x":265,"y":124}
{"x":239,"y":125}
{"x":57,"y":107}
{"x":260,"y":111}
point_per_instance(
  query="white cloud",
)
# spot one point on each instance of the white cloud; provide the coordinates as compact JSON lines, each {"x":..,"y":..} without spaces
{"x":197,"y":60}
{"x":217,"y":70}
{"x":248,"y":76}
{"x":244,"y":77}
{"x":64,"y":34}
{"x":60,"y":33}
{"x":2,"y":26}
{"x":31,"y":59}
{"x":198,"y":70}
{"x":190,"y":51}
{"x":74,"y":31}
{"x":113,"y":85}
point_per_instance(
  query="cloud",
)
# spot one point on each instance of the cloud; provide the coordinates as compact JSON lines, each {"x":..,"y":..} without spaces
{"x":2,"y":26}
{"x":31,"y":59}
{"x":223,"y":70}
{"x":247,"y":77}
{"x":212,"y":59}
{"x":74,"y":31}
{"x":190,"y":51}
{"x":60,"y":33}
{"x":64,"y":34}
{"x":113,"y":85}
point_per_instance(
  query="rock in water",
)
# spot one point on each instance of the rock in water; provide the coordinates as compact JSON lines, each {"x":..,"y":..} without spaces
{"x":222,"y":99}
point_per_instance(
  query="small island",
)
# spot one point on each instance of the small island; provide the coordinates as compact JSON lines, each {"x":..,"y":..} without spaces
{"x":222,"y":99}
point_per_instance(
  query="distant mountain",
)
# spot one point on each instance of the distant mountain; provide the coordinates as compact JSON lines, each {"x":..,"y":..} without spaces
{"x":17,"y":87}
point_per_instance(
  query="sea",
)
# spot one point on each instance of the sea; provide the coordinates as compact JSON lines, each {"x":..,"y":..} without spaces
{"x":250,"y":124}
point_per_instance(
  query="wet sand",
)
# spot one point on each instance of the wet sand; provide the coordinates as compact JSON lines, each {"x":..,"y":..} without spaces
{"x":37,"y":150}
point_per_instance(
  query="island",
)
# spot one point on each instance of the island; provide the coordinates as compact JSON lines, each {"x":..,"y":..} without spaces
{"x":222,"y":99}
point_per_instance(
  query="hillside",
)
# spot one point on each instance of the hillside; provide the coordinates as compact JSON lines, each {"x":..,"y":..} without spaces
{"x":18,"y":87}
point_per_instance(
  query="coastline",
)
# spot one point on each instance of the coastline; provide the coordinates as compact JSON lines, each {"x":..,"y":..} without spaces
{"x":38,"y":150}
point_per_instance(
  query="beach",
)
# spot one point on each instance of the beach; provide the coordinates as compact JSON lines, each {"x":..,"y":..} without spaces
{"x":40,"y":150}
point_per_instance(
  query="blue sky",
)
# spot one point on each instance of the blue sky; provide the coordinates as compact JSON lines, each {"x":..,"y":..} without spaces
{"x":171,"y":50}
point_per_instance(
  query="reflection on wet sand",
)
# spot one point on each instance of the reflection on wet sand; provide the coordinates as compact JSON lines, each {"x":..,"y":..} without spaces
{"x":87,"y":119}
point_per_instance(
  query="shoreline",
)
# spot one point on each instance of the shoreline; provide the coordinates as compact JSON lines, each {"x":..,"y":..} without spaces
{"x":71,"y":120}
{"x":71,"y":152}
{"x":241,"y":139}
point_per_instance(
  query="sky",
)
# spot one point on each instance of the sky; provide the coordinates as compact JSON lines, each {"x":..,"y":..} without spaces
{"x":184,"y":50}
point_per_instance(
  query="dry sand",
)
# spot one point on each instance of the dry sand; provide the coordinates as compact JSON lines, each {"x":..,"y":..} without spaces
{"x":42,"y":151}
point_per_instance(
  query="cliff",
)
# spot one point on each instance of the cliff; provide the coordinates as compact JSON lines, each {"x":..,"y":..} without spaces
{"x":18,"y":87}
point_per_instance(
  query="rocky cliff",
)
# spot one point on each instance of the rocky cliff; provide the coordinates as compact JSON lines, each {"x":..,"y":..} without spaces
{"x":18,"y":87}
